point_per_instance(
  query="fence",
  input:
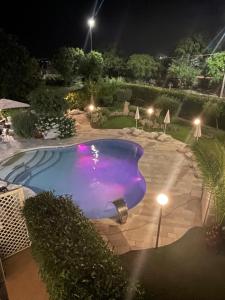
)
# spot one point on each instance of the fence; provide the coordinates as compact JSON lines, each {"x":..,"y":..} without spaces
{"x":13,"y":231}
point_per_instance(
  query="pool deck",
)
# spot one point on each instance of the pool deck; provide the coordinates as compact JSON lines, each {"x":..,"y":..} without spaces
{"x":165,"y":168}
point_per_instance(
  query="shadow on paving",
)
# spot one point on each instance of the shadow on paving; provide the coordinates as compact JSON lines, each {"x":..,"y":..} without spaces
{"x":186,"y":269}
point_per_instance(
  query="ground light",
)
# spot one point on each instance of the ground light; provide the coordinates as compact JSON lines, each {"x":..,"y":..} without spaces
{"x":162,"y":200}
{"x":197,"y":132}
{"x":91,"y":107}
{"x":150,"y":111}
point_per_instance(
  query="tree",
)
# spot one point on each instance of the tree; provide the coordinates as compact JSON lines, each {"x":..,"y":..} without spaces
{"x":92,"y":67}
{"x":114,"y":64}
{"x":142,"y":66}
{"x":212,"y":110}
{"x":216,"y":66}
{"x":48,"y":102}
{"x":211,"y":160}
{"x":19,"y":73}
{"x":190,"y":46}
{"x":67,"y":61}
{"x":184,"y":72}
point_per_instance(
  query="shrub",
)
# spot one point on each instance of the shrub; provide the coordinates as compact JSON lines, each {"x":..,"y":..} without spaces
{"x":192,"y":104}
{"x":164,"y":103}
{"x":123,"y":95}
{"x":64,"y":125}
{"x":74,"y":100}
{"x":24,"y":123}
{"x":47,"y":101}
{"x":107,"y":89}
{"x":99,"y":116}
{"x":74,"y":261}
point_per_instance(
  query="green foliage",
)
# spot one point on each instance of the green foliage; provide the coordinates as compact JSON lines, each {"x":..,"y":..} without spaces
{"x":142,"y":66}
{"x":68,"y":62}
{"x":212,"y":111}
{"x":92,"y":67}
{"x":107,"y":89}
{"x":165,"y":102}
{"x":24,"y":123}
{"x":216,"y":66}
{"x":19,"y":73}
{"x":64,"y":125}
{"x":184,"y":72}
{"x":98,"y":117}
{"x":211,"y":160}
{"x":114,"y":65}
{"x":73,"y":259}
{"x":73,"y":100}
{"x":123,"y":95}
{"x":192,"y":104}
{"x":190,"y":46}
{"x":48,"y":101}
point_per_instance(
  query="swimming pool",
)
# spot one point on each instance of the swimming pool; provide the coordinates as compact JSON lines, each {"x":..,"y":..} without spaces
{"x":95,"y":173}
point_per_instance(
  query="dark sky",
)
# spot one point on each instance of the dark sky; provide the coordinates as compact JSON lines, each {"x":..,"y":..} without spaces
{"x":143,"y":26}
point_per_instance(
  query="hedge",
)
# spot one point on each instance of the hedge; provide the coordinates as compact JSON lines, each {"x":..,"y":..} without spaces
{"x":74,"y":261}
{"x":192,"y":104}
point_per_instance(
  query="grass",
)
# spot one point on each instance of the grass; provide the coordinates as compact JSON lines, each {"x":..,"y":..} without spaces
{"x":119,"y":122}
{"x":185,"y":270}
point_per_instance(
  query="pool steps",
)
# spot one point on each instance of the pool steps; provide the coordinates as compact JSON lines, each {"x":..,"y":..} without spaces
{"x":40,"y":161}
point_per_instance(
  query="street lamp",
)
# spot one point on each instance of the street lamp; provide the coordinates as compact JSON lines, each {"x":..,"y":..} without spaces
{"x":162,"y":200}
{"x":91,"y":24}
{"x":197,"y":121}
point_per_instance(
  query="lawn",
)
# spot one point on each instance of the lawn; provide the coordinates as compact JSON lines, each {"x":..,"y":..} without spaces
{"x":185,"y":270}
{"x":119,"y":122}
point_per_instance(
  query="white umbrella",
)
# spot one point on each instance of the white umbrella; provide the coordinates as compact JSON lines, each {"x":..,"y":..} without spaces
{"x":137,"y":115}
{"x":167,"y":119}
{"x":198,"y":131}
{"x":8,"y":104}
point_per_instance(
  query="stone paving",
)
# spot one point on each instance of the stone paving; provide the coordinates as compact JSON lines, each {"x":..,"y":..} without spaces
{"x":165,"y":168}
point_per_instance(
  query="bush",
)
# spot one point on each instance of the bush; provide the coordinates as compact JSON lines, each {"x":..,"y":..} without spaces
{"x":192,"y":104}
{"x":107,"y":89}
{"x":164,"y":103}
{"x":24,"y":123}
{"x":64,"y":125}
{"x":99,"y":117}
{"x":123,"y":95}
{"x":48,"y":101}
{"x":74,"y":261}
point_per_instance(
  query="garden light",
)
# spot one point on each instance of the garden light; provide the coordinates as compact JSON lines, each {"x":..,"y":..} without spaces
{"x":162,"y":199}
{"x":91,"y":107}
{"x":197,"y":121}
{"x":150,"y":111}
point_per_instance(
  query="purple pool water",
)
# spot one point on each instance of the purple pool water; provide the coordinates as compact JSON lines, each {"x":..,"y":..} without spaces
{"x":94,"y":173}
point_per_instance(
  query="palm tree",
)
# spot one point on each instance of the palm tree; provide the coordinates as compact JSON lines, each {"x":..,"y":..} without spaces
{"x":211,"y":160}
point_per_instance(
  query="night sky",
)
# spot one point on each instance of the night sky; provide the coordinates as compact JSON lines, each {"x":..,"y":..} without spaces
{"x":141,"y":26}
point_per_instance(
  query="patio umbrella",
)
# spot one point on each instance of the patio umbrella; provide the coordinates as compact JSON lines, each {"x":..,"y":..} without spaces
{"x":8,"y":104}
{"x":198,"y":131}
{"x":167,"y":119}
{"x":137,"y":115}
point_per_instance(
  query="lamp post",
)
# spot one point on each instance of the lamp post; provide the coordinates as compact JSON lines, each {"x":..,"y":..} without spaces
{"x":91,"y":24}
{"x":198,"y":132}
{"x":150,"y":112}
{"x":162,"y":200}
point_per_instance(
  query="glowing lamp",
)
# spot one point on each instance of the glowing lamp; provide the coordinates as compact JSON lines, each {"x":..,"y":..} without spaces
{"x":197,"y":121}
{"x":91,"y":107}
{"x":91,"y":22}
{"x":162,"y":199}
{"x":150,"y":111}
